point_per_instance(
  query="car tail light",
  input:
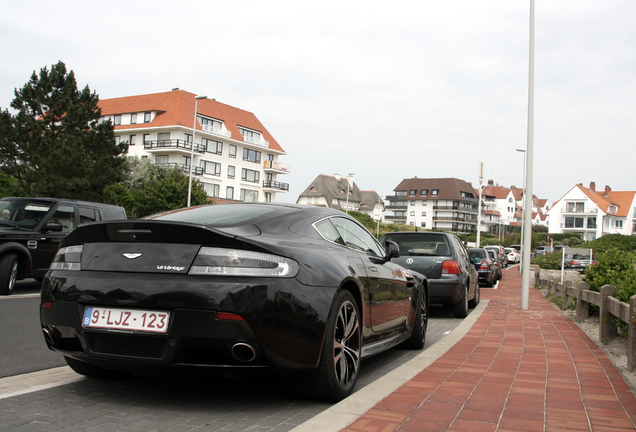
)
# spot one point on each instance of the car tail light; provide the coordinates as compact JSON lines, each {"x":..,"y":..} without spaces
{"x":484,"y":265}
{"x":236,"y":262}
{"x":450,"y":267}
{"x":574,"y":263}
{"x":68,"y":258}
{"x":228,"y":316}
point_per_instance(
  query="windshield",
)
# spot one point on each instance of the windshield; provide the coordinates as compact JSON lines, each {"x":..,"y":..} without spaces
{"x":22,"y":213}
{"x":421,"y":244}
{"x":219,"y":215}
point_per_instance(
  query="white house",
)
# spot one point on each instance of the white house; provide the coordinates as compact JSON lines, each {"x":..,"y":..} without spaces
{"x":593,"y":213}
{"x":234,"y":156}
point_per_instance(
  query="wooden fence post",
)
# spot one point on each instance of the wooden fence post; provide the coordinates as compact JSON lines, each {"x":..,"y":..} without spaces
{"x":631,"y":335}
{"x":582,"y":308}
{"x":607,"y":329}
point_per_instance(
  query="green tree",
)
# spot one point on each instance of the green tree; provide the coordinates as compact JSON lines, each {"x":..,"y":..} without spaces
{"x":54,"y":145}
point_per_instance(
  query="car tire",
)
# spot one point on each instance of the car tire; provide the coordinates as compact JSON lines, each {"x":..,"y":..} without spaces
{"x":93,"y":371}
{"x":337,"y":371}
{"x":475,"y":301}
{"x":490,"y":283}
{"x":420,"y":324}
{"x":460,"y":310}
{"x":8,"y":273}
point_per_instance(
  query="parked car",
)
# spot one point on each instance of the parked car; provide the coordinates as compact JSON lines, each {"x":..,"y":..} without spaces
{"x":542,"y":250}
{"x":578,"y":262}
{"x":503,"y":258}
{"x":31,"y":230}
{"x":443,"y":259}
{"x":302,"y":290}
{"x":513,"y":255}
{"x":484,"y":265}
{"x":496,"y":259}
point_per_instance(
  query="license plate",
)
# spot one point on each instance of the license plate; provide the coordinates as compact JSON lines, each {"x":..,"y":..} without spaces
{"x":126,"y":319}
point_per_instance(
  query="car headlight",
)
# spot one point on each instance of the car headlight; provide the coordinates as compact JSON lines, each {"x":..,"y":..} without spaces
{"x":235,"y":262}
{"x":68,"y":258}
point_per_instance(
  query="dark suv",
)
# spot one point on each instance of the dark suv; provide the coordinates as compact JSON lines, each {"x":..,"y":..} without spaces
{"x":31,"y":230}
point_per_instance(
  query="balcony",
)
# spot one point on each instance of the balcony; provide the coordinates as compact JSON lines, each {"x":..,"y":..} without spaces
{"x":220,"y":131}
{"x":269,"y":184}
{"x":396,"y":206}
{"x":455,"y":208}
{"x":183,"y":167}
{"x":399,"y":219}
{"x":277,"y":167}
{"x":172,"y":145}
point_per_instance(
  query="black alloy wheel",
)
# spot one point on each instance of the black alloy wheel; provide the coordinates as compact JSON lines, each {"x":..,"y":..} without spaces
{"x":8,"y":273}
{"x":418,"y":336}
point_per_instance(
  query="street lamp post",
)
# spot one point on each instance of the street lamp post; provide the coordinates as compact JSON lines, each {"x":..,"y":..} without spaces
{"x":349,"y":185}
{"x":194,"y":132}
{"x":523,"y":209}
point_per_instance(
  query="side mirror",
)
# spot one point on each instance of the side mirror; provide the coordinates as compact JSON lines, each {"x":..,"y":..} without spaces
{"x":392,"y":250}
{"x":54,"y":226}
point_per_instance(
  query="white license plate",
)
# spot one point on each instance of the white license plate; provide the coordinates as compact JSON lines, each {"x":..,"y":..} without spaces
{"x":126,"y":319}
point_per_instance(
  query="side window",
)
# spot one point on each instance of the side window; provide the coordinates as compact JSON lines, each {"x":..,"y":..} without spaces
{"x":356,"y":237}
{"x":462,"y":250}
{"x":88,"y":215}
{"x":66,"y":216}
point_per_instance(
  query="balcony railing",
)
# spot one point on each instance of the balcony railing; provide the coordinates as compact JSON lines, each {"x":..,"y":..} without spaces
{"x":172,"y":144}
{"x":183,"y":167}
{"x":395,"y":218}
{"x":217,"y":131}
{"x":275,"y":185}
{"x":391,"y":206}
{"x":457,"y":208}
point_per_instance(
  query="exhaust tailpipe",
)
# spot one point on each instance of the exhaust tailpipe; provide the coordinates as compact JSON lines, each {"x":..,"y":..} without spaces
{"x":244,"y":352}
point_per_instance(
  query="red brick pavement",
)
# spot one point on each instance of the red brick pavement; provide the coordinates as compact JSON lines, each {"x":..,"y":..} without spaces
{"x":515,"y":370}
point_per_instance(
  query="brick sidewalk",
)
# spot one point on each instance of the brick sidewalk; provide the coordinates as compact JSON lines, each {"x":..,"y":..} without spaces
{"x":515,"y":370}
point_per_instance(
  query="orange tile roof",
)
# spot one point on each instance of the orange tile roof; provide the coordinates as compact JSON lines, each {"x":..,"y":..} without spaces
{"x":176,"y":107}
{"x":603,"y":199}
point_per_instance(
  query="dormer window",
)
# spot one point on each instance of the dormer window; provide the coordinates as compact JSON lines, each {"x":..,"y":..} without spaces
{"x":210,"y":124}
{"x":250,"y":136}
{"x":435,"y":192}
{"x":147,"y":117}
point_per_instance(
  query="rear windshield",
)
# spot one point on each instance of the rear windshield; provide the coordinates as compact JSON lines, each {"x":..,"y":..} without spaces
{"x":219,"y":215}
{"x":475,"y":252}
{"x":423,"y":245}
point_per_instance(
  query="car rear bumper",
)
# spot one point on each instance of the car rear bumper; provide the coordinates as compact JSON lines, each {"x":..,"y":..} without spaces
{"x":448,"y":292}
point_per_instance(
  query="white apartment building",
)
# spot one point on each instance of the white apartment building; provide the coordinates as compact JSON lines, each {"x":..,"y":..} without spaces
{"x":594,"y":213}
{"x":442,"y":204}
{"x":233,"y":156}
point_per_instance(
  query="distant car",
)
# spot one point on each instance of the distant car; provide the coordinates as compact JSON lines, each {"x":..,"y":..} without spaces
{"x":31,"y":230}
{"x":496,"y":263}
{"x":302,"y":290}
{"x":578,"y":262}
{"x":484,"y":265}
{"x":443,"y":259}
{"x":513,"y":255}
{"x":503,"y":258}
{"x":542,"y":250}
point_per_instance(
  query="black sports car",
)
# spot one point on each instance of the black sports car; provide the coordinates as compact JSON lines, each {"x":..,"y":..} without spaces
{"x":302,"y":290}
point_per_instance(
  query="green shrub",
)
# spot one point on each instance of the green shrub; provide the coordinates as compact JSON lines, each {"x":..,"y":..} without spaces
{"x":617,"y":268}
{"x":551,"y":261}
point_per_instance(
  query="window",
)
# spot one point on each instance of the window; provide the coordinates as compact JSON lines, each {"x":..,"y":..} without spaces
{"x":212,"y":146}
{"x":250,"y":136}
{"x":270,"y":157}
{"x":434,"y":192}
{"x":117,"y":139}
{"x":412,"y":192}
{"x":250,"y":175}
{"x":117,"y":119}
{"x":147,"y":117}
{"x":211,"y":189}
{"x":619,"y":224}
{"x":268,"y":197}
{"x":424,"y":213}
{"x":133,"y":118}
{"x":413,"y":202}
{"x":161,"y":159}
{"x":229,"y":192}
{"x":88,"y":215}
{"x":591,"y":222}
{"x":210,"y":124}
{"x":424,"y":192}
{"x":163,"y":138}
{"x":423,"y":224}
{"x":575,"y":207}
{"x":251,"y":156}
{"x":66,"y":216}
{"x":510,"y":200}
{"x":211,"y":168}
{"x":132,"y":139}
{"x":424,"y":203}
{"x":189,"y":138}
{"x":412,"y":213}
{"x":232,"y":151}
{"x":231,"y":171}
{"x":348,"y":233}
{"x":248,"y":195}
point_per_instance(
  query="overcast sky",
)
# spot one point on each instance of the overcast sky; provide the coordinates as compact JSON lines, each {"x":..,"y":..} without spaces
{"x":386,"y":90}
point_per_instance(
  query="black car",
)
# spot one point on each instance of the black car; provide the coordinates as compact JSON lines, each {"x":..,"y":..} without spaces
{"x":496,"y":260}
{"x":302,"y":290}
{"x":484,"y":265}
{"x":443,"y":259}
{"x":31,"y":230}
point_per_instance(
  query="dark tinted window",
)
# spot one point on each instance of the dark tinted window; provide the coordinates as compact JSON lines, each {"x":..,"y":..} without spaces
{"x":88,"y":215}
{"x":421,"y":244}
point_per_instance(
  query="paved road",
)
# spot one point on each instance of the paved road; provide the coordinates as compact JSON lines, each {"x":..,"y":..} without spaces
{"x":158,"y":402}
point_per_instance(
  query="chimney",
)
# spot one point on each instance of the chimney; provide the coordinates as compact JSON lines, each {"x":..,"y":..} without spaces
{"x":593,"y":186}
{"x":337,"y":177}
{"x":607,"y":191}
{"x":491,"y":182}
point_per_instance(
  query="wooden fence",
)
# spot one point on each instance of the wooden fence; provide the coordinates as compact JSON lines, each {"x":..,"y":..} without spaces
{"x":610,"y":309}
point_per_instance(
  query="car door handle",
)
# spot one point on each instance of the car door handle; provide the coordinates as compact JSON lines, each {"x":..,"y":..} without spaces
{"x":373,"y":269}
